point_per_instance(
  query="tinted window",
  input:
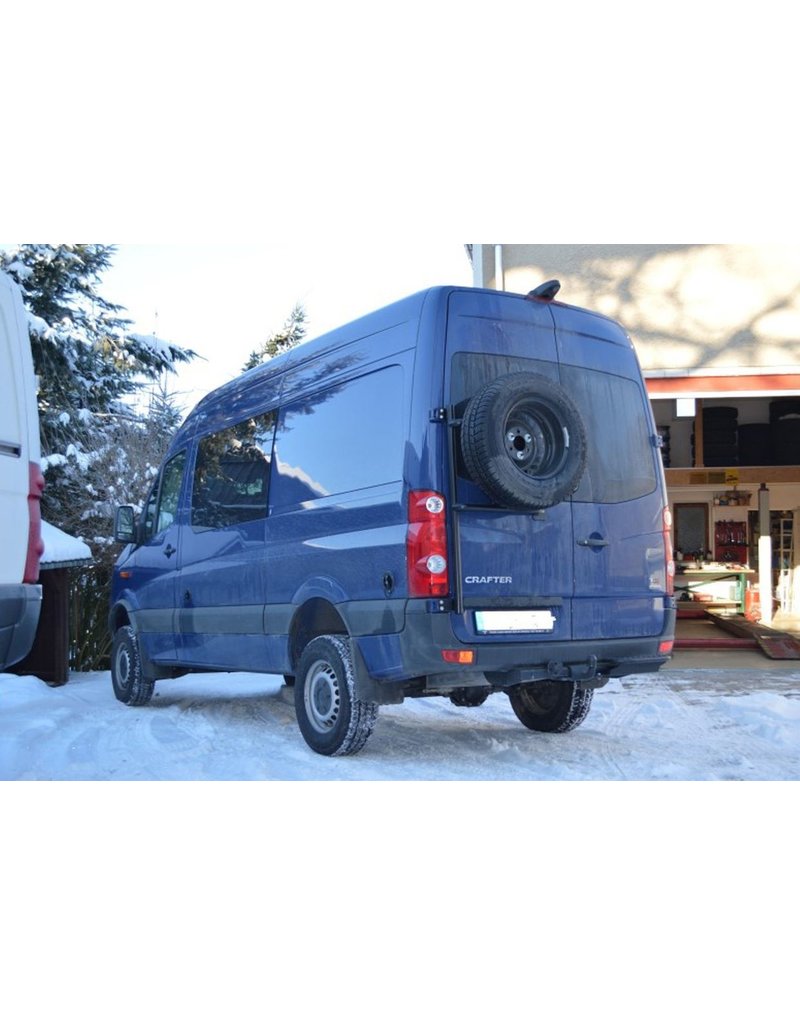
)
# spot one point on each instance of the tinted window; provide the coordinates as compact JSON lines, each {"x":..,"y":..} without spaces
{"x":231,"y":477}
{"x":343,"y":439}
{"x":162,"y":504}
{"x":471,"y":370}
{"x":621,"y":463}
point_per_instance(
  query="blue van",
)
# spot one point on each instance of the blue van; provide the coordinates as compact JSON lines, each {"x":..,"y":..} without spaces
{"x":456,"y":495}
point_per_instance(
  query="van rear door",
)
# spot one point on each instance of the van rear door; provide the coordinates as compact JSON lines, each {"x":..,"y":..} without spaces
{"x":513,"y":567}
{"x":591,"y":565}
{"x":618,"y":508}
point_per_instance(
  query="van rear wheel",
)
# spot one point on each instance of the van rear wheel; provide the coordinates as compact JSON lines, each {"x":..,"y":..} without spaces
{"x":550,"y":706}
{"x":131,"y":685}
{"x":332,"y":720}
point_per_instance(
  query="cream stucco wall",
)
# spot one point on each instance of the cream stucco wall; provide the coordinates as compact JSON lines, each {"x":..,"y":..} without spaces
{"x":687,"y":307}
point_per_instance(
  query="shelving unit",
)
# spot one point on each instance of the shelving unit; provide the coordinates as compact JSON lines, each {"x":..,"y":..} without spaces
{"x":729,"y":527}
{"x":730,"y":541}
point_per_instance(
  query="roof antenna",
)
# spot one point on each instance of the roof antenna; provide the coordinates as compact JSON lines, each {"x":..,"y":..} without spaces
{"x":545,"y":292}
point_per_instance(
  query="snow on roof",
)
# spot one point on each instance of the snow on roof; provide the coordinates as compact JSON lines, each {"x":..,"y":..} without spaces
{"x":62,"y":551}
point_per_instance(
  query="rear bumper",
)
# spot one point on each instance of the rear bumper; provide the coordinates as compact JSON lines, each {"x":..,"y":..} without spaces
{"x":416,"y":653}
{"x":20,"y":605}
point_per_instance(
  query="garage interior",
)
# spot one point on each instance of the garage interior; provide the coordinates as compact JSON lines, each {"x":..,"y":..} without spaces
{"x":733,"y":478}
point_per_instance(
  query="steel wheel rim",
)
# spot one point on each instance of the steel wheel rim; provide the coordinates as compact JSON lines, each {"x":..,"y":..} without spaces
{"x":533,"y":440}
{"x":123,"y":667}
{"x":322,"y":696}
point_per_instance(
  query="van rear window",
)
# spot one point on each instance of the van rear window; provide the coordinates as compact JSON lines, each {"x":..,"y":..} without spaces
{"x":621,"y":459}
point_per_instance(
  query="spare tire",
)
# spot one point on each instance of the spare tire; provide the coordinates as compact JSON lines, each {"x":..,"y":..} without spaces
{"x":524,"y":441}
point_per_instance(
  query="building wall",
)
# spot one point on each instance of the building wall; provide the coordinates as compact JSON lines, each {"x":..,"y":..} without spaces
{"x":687,"y":307}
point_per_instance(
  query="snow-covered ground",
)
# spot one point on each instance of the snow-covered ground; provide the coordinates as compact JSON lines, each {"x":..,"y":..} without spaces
{"x":694,"y":724}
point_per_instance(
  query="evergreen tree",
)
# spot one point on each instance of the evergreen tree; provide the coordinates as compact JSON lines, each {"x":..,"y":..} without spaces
{"x":293,"y":332}
{"x":98,"y":451}
{"x":88,"y":362}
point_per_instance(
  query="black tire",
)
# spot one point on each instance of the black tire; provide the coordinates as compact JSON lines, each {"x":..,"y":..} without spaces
{"x":550,"y":705}
{"x":721,"y":455}
{"x":332,"y":720}
{"x":720,"y":415}
{"x":785,"y":442}
{"x":131,"y":685}
{"x":754,"y":444}
{"x":728,"y":436}
{"x":524,"y":441}
{"x":470,"y":696}
{"x":783,"y":407}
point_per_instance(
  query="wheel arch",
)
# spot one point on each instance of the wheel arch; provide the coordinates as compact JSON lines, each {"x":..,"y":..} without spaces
{"x":317,"y":616}
{"x":120,"y":615}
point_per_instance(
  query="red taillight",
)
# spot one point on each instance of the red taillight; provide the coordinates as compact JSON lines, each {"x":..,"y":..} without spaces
{"x":426,"y":545}
{"x":35,"y":542}
{"x":668,"y":551}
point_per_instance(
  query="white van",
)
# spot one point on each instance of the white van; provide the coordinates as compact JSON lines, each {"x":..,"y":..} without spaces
{"x":21,"y":482}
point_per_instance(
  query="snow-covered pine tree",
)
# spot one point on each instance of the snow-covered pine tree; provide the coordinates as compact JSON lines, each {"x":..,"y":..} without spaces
{"x":292,"y":333}
{"x":98,"y":449}
{"x":88,"y":362}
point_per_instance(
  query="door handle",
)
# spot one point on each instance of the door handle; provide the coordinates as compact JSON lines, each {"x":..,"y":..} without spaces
{"x":169,"y":550}
{"x":593,"y":542}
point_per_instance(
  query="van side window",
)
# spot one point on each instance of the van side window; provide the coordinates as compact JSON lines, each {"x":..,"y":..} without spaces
{"x":162,"y":504}
{"x":231,"y":477}
{"x":346,"y":438}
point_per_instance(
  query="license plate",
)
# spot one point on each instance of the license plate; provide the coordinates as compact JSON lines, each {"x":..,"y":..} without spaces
{"x":538,"y":621}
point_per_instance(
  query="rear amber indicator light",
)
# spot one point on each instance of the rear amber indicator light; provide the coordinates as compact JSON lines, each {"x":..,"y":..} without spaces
{"x":459,"y":657}
{"x":426,"y":545}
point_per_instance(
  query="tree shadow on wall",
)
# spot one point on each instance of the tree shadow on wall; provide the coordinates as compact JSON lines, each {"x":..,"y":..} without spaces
{"x":598,"y":268}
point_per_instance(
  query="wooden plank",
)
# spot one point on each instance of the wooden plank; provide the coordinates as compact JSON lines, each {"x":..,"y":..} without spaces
{"x":775,"y":644}
{"x":715,"y":643}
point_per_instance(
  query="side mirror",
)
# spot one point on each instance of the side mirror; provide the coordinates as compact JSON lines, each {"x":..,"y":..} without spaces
{"x":125,"y":525}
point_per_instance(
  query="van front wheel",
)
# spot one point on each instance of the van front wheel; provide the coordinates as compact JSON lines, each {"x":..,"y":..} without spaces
{"x":550,"y":706}
{"x":131,"y":686}
{"x":332,"y":720}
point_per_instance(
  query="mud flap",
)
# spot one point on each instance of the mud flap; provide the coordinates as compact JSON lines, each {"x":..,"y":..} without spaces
{"x":369,"y":689}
